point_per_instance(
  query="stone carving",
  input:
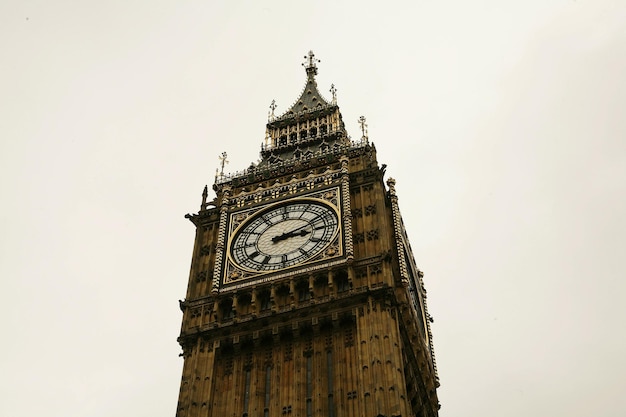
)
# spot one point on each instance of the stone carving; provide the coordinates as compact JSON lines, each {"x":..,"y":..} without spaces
{"x":201,"y":276}
{"x":372,"y":234}
{"x":369,"y":210}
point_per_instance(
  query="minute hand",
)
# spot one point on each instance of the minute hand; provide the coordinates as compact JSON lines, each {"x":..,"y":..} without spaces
{"x":299,"y":228}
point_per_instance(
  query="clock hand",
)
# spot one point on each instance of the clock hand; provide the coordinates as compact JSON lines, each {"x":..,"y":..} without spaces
{"x":296,"y":232}
{"x":299,"y":228}
{"x":301,"y":233}
{"x":279,"y":238}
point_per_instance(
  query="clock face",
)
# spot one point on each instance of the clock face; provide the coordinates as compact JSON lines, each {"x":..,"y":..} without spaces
{"x":284,"y":235}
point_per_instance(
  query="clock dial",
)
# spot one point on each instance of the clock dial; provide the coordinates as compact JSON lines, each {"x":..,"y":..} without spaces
{"x":284,"y":235}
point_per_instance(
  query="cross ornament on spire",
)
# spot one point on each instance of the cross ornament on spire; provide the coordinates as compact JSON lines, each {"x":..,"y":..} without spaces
{"x":310,"y":63}
{"x":271,"y":115}
{"x":363,"y":127}
{"x":223,"y":162}
{"x":333,"y":91}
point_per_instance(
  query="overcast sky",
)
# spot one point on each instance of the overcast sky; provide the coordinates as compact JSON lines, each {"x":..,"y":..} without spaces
{"x":503,"y":123}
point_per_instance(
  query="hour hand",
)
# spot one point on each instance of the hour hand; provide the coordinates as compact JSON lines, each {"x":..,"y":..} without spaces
{"x":279,"y":238}
{"x":293,"y":233}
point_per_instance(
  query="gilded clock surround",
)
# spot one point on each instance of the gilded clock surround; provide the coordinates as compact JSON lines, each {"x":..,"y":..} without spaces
{"x":284,"y":235}
{"x":239,"y":276}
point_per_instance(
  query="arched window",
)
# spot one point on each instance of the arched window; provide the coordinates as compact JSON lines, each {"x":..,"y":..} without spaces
{"x":303,"y":290}
{"x":341,"y":281}
{"x":226,"y":309}
{"x":265,"y":302}
{"x":243,"y":303}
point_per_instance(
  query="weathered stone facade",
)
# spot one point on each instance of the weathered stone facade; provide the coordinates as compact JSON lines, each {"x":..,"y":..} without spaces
{"x":343,"y":333}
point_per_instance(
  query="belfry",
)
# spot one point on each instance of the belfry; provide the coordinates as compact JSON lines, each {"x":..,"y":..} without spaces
{"x":304,"y":298}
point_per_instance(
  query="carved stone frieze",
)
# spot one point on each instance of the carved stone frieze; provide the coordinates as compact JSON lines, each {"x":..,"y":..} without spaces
{"x":291,"y":188}
{"x":278,"y":167}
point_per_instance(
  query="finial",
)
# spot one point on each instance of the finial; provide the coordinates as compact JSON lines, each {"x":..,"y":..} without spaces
{"x":270,"y":115}
{"x":205,"y":194}
{"x":333,"y":91}
{"x":223,"y":162}
{"x":391,"y":183}
{"x":310,"y":63}
{"x":363,"y":128}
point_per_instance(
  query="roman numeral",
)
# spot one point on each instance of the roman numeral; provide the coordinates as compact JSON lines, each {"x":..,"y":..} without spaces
{"x":304,"y":211}
{"x":323,"y":218}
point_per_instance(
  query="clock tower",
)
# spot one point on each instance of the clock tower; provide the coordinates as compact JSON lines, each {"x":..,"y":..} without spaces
{"x":304,"y":299}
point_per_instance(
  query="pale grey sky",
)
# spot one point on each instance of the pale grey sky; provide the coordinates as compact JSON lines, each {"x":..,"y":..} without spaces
{"x":503,"y":123}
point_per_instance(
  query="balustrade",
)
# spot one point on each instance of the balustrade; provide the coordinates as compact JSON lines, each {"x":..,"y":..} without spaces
{"x":222,"y":179}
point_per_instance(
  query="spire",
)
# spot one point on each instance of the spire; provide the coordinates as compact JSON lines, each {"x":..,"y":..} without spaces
{"x":311,"y":125}
{"x":310,"y":99}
